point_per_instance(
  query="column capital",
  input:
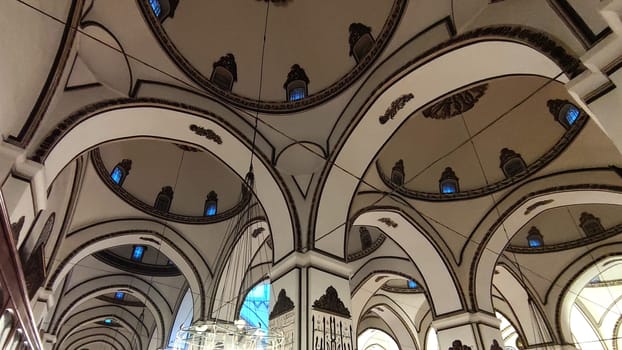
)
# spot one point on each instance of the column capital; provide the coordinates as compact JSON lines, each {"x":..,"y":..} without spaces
{"x":310,"y":259}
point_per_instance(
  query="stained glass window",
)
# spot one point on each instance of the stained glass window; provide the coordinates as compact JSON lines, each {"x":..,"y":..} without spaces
{"x":119,"y":295}
{"x":155,"y":6}
{"x":412,"y":284}
{"x":117,"y":175}
{"x":572,"y":114}
{"x":108,"y":321}
{"x":449,"y":188}
{"x":137,"y":253}
{"x":211,"y":209}
{"x":296,"y":94}
{"x":256,"y":307}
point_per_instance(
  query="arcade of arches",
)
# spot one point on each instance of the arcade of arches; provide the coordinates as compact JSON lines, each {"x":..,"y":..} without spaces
{"x":427,"y":174}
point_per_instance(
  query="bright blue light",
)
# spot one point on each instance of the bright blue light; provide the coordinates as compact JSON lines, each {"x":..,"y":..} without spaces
{"x":534,"y":242}
{"x":256,"y":307}
{"x":137,"y":253}
{"x":211,"y":209}
{"x":155,"y":6}
{"x":108,"y":321}
{"x":448,"y":188}
{"x":412,"y":284}
{"x":117,"y":175}
{"x":296,"y":94}
{"x":572,"y":114}
{"x":119,"y":295}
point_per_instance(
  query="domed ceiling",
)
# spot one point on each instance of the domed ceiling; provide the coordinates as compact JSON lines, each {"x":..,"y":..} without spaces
{"x":562,"y":227}
{"x":191,"y":173}
{"x":312,"y":34}
{"x":467,"y":131}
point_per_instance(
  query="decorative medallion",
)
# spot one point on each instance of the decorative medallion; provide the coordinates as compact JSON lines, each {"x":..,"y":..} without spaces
{"x":330,"y":302}
{"x":208,"y":133}
{"x":456,"y":104}
{"x":395,"y":107}
{"x":283,"y":304}
{"x":389,"y":222}
{"x":257,"y":232}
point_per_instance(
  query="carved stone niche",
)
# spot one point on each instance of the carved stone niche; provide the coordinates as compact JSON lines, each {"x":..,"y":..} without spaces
{"x":397,"y":173}
{"x":512,"y":163}
{"x":296,"y":84}
{"x":225,"y":72}
{"x":365,"y":237}
{"x":361,"y":41}
{"x":590,"y":224}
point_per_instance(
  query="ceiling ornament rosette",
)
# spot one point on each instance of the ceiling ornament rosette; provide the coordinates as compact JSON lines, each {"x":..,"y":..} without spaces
{"x":390,"y":25}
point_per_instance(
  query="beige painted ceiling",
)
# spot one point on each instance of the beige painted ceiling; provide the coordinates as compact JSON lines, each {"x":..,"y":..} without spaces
{"x":313,"y":34}
{"x":191,"y":174}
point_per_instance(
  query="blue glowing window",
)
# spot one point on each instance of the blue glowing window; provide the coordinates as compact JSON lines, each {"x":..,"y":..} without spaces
{"x":108,"y":321}
{"x":119,"y":295}
{"x":296,"y":94}
{"x":155,"y":6}
{"x":117,"y":175}
{"x":572,"y":114}
{"x":412,"y":284}
{"x":211,"y":209}
{"x":137,"y":253}
{"x":534,"y":242}
{"x":256,"y":307}
{"x":448,"y":188}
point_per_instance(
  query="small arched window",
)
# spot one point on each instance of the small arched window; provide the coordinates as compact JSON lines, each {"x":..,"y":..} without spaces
{"x":590,"y":224}
{"x":138,"y":251}
{"x":211,"y":204}
{"x":225,"y":72}
{"x":365,"y":237}
{"x":121,"y":171}
{"x":361,"y":41}
{"x":412,"y":284}
{"x":534,"y":238}
{"x":512,"y":163}
{"x":448,"y":182}
{"x":397,"y":173}
{"x":296,"y":84}
{"x":163,"y":9}
{"x":564,"y":112}
{"x":164,"y":199}
{"x":119,"y":295}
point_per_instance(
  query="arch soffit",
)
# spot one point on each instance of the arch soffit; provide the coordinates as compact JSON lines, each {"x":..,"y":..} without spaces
{"x":88,"y":240}
{"x":77,"y":298}
{"x":125,"y":118}
{"x":82,"y":319}
{"x":495,"y":238}
{"x":396,"y":318}
{"x":79,"y":335}
{"x":485,"y":59}
{"x":433,"y":266}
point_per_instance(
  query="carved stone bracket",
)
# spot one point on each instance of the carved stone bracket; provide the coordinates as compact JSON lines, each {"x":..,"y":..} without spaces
{"x":395,"y":107}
